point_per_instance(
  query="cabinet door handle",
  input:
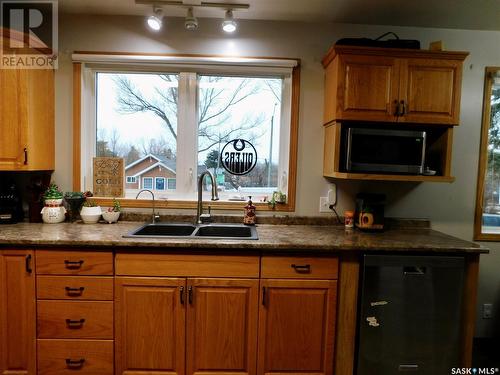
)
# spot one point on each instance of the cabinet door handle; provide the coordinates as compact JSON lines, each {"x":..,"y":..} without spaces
{"x":72,"y":323}
{"x":403,"y":108}
{"x":190,"y":295}
{"x":75,"y":363}
{"x":181,"y":295}
{"x":25,"y":156}
{"x":301,"y":268}
{"x":28,"y":263}
{"x":397,"y":111}
{"x":263,"y":296}
{"x":74,"y":291}
{"x":73,"y":264}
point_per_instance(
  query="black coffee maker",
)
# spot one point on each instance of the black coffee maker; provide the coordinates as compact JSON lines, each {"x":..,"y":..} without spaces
{"x":11,"y":205}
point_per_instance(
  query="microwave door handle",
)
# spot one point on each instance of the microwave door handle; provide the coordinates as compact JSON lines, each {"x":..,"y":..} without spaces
{"x":348,"y":163}
{"x":424,"y":150}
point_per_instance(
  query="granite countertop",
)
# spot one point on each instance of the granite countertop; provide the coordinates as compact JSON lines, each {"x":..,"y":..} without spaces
{"x":321,"y":238}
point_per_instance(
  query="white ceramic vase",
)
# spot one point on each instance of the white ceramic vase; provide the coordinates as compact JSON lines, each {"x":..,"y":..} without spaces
{"x":90,"y":215}
{"x":53,"y":212}
{"x":110,"y":216}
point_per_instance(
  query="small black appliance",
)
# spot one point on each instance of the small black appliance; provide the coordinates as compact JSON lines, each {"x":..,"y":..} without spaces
{"x":11,"y":206}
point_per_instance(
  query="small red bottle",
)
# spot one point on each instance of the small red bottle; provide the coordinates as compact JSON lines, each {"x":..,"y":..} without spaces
{"x":250,"y":217}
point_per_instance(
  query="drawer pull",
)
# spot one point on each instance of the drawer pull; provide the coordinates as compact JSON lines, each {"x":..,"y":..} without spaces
{"x":74,"y":291}
{"x":305,"y":268}
{"x":181,"y":294}
{"x":190,"y":295}
{"x":73,"y":264}
{"x":75,"y":323}
{"x":28,"y":264}
{"x":75,"y":363}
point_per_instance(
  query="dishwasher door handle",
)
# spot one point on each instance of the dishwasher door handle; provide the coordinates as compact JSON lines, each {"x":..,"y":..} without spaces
{"x":415,"y":270}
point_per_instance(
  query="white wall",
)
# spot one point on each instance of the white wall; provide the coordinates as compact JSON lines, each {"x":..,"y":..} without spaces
{"x":449,"y":206}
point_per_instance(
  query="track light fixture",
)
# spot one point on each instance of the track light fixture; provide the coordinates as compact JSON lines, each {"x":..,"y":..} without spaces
{"x":229,"y":25}
{"x":155,"y":20}
{"x":191,"y":22}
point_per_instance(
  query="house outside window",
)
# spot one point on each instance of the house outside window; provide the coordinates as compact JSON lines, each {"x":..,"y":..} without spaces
{"x":147,"y":182}
{"x":170,"y":124}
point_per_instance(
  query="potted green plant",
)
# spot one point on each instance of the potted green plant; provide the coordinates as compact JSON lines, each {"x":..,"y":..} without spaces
{"x":90,"y":212}
{"x":112,"y":214}
{"x":53,"y":212}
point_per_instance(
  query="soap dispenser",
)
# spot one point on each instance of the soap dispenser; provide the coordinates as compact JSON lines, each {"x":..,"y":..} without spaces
{"x":250,"y":216}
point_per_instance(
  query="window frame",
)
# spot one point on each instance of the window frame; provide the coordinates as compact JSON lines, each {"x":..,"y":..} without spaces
{"x":483,"y":158}
{"x":164,"y":183}
{"x":83,"y":106}
{"x":168,"y":179}
{"x":143,"y":185}
{"x":133,"y":179}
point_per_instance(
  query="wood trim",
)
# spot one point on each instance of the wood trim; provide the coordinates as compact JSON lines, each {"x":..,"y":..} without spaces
{"x":77,"y":116}
{"x":393,"y":52}
{"x":483,"y":159}
{"x":347,"y":313}
{"x":178,"y":204}
{"x":389,"y":177}
{"x":469,"y":301}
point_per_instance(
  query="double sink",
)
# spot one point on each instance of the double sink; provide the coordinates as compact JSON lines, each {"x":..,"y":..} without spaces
{"x":209,"y":231}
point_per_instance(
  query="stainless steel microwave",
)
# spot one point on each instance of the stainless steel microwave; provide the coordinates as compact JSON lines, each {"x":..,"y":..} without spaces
{"x":385,"y":151}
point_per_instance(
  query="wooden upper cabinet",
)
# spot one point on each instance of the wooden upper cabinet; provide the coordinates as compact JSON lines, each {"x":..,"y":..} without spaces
{"x":26,"y":119}
{"x":149,"y":326}
{"x":392,"y":85}
{"x":17,"y":313}
{"x":296,"y":327}
{"x":430,"y":91}
{"x":222,"y":326}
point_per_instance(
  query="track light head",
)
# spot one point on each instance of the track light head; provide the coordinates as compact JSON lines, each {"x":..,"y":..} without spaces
{"x":191,"y":22}
{"x":155,"y":20}
{"x":229,"y":25}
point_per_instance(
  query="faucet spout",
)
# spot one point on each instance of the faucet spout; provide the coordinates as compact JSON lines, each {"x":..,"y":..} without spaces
{"x":155,"y":217}
{"x":215,"y":194}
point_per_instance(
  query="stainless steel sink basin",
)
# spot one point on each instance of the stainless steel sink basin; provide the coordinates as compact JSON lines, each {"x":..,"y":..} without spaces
{"x":208,"y":231}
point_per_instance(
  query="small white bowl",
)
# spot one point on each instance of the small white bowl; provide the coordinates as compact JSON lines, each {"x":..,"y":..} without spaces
{"x":90,"y":218}
{"x":110,"y":216}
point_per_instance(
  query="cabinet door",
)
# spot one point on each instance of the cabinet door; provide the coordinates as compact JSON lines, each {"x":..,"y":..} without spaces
{"x":149,"y":326}
{"x":296,"y":327}
{"x":368,"y":88}
{"x":430,"y":90}
{"x":17,"y":313}
{"x":222,"y":326}
{"x":13,"y":120}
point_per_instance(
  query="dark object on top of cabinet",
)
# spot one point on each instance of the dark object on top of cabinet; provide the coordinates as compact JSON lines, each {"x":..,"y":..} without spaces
{"x":389,"y":43}
{"x":11,"y":209}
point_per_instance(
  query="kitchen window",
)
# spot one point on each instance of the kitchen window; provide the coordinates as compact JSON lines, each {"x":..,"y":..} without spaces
{"x":487,"y":218}
{"x":170,"y":121}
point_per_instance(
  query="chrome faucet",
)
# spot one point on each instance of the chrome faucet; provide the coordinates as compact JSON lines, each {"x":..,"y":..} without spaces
{"x":155,"y":217}
{"x":215,"y":195}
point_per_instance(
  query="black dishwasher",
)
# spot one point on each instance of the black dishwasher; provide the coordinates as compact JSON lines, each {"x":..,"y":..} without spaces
{"x":410,"y":314}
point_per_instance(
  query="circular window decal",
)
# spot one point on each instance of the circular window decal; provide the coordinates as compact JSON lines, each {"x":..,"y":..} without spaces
{"x":238,"y":157}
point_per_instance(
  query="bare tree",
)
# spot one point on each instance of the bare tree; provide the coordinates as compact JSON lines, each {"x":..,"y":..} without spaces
{"x":215,"y":104}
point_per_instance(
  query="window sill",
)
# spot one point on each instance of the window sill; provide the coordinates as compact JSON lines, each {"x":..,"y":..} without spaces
{"x":178,"y":204}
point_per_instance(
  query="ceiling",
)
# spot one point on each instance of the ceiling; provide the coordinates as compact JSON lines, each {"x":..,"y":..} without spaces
{"x":456,"y":14}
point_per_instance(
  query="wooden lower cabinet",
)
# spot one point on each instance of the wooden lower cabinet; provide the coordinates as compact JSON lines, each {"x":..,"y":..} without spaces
{"x":150,"y":318}
{"x":222,"y":326}
{"x":296,"y":326}
{"x":17,"y":313}
{"x":160,"y":322}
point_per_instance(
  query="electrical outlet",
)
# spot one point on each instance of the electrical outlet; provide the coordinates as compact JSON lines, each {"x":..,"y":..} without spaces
{"x":487,"y":311}
{"x":324,"y":204}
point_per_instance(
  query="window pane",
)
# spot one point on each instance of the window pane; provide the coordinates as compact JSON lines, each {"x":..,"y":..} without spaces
{"x":136,"y":119}
{"x":491,"y":201}
{"x":147,"y":182}
{"x":171,"y":183}
{"x":246,"y":108}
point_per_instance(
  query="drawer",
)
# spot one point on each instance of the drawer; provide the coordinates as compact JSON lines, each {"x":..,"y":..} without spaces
{"x":74,"y":288}
{"x":292,"y":267}
{"x":67,"y":357}
{"x":189,"y":265}
{"x":53,"y":262}
{"x":74,"y":319}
